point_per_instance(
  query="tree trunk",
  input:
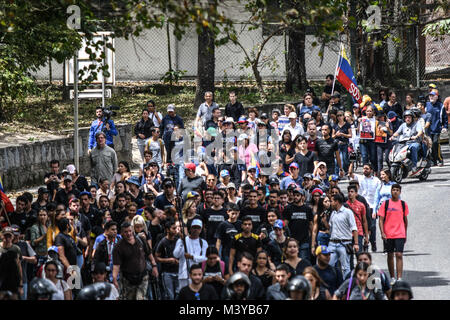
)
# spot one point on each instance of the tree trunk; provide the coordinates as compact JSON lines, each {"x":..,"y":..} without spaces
{"x":296,"y":61}
{"x":205,"y":66}
{"x":258,"y":79}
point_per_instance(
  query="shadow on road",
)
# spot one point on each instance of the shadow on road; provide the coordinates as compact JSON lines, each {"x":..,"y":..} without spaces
{"x":425,"y":278}
{"x":428,"y":180}
{"x":416,"y":254}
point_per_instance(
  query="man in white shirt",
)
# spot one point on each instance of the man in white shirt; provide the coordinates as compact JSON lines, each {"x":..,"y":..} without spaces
{"x":194,"y":253}
{"x":294,"y":127}
{"x":368,"y":185}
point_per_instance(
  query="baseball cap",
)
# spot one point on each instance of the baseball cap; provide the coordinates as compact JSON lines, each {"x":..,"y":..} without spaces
{"x":278,"y":224}
{"x":85,"y":193}
{"x":231,"y":185}
{"x":292,"y":186}
{"x":197,"y":223}
{"x":355,"y":105}
{"x":8,"y":230}
{"x":71,"y":168}
{"x":43,"y":190}
{"x":68,"y":178}
{"x":224,"y":173}
{"x":317,"y":190}
{"x":432,"y":85}
{"x":321,"y":163}
{"x":229,"y":120}
{"x":392,"y":115}
{"x":274,"y":180}
{"x":170,"y":107}
{"x":292,"y":115}
{"x":133,"y":180}
{"x":276,"y":110}
{"x":192,"y":194}
{"x":432,"y":93}
{"x":322,"y":250}
{"x":308,"y":176}
{"x":294,"y":164}
{"x":264,"y":116}
{"x":190,"y":166}
{"x":53,"y":248}
{"x":212,"y":131}
{"x":333,"y":177}
{"x":252,"y":167}
{"x":243,"y":136}
{"x":242,"y":119}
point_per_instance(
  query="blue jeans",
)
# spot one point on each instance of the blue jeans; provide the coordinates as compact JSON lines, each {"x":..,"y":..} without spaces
{"x":305,"y":251}
{"x":323,"y":238}
{"x":338,"y":252}
{"x":414,"y":148}
{"x":343,"y":153}
{"x":369,"y":153}
{"x":170,"y":283}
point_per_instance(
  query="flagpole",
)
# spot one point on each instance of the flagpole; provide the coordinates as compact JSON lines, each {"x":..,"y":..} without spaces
{"x":335,"y":70}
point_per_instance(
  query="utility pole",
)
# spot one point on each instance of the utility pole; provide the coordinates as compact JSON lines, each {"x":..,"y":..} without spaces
{"x":75,"y":107}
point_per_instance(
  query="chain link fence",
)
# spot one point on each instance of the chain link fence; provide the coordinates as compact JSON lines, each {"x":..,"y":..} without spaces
{"x":146,"y":58}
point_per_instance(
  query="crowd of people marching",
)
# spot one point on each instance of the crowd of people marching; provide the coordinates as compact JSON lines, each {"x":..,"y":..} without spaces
{"x":252,"y":207}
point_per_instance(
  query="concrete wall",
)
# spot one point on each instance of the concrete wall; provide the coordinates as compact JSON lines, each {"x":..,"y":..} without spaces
{"x":26,"y":165}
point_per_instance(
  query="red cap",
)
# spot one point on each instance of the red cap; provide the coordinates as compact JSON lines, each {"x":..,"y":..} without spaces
{"x":190,"y":166}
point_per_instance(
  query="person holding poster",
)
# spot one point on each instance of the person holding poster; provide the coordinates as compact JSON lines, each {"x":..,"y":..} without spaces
{"x":367,"y":137}
{"x":382,"y":132}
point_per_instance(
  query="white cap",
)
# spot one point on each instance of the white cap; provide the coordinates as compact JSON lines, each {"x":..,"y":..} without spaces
{"x":170,"y":107}
{"x":197,"y":222}
{"x":292,"y":115}
{"x":71,"y":168}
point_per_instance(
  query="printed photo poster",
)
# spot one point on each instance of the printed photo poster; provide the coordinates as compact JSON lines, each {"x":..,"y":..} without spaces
{"x":367,"y":129}
{"x":380,"y":134}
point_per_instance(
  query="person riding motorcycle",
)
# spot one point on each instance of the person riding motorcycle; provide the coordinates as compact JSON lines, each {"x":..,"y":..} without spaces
{"x":411,"y":131}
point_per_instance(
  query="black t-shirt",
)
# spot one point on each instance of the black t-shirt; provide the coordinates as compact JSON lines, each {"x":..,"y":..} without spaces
{"x":165,"y":249}
{"x":213,"y":271}
{"x":226,"y":232}
{"x":305,"y":162}
{"x":325,"y":151}
{"x":93,"y":215}
{"x":206,"y":292}
{"x":52,"y":185}
{"x":23,"y":220}
{"x":155,"y":232}
{"x":257,"y":214}
{"x":234,"y":110}
{"x":343,"y":129}
{"x":265,"y":279}
{"x":242,"y":244}
{"x":119,"y":216}
{"x":139,"y":200}
{"x":70,"y":248}
{"x":212,"y":218}
{"x":63,"y":197}
{"x":82,"y":184}
{"x":299,"y":218}
{"x":298,"y":271}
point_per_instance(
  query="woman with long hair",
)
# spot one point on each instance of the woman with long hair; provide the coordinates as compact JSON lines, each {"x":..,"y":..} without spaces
{"x":53,"y":229}
{"x":264,"y":270}
{"x":285,"y":146}
{"x":232,"y":193}
{"x":367,"y":146}
{"x":296,"y":265}
{"x":189,"y":213}
{"x":38,"y":237}
{"x":393,"y":105}
{"x":356,"y":287}
{"x":410,"y":103}
{"x":122,"y":174}
{"x":10,"y":276}
{"x":63,"y":292}
{"x":321,"y":227}
{"x":342,"y":133}
{"x":318,"y":289}
{"x":120,"y":187}
{"x":42,"y":199}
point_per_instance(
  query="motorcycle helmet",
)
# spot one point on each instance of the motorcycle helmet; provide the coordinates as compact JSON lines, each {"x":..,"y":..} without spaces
{"x":41,"y":289}
{"x":408,"y":113}
{"x":299,"y":283}
{"x":401,"y":285}
{"x":95,"y":291}
{"x":237,"y":277}
{"x":416,"y":112}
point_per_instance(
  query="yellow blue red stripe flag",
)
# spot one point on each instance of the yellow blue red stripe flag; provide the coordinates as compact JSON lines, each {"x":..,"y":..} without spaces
{"x":344,"y":74}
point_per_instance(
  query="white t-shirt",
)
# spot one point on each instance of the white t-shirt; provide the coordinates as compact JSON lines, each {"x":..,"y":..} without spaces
{"x":61,"y":287}
{"x":153,"y":117}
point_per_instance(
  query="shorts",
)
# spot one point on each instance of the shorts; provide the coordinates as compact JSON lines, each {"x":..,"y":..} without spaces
{"x":395,"y":245}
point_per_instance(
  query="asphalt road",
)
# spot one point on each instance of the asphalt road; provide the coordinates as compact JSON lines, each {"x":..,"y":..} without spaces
{"x":427,"y":253}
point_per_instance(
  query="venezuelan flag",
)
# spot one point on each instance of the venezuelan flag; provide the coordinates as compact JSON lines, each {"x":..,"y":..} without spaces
{"x":344,"y":74}
{"x":1,"y":185}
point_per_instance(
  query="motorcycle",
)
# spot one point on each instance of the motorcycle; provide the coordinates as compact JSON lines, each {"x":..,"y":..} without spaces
{"x":401,"y":164}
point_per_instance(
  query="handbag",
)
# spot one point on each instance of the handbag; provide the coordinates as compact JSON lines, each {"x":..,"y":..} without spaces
{"x":348,"y":248}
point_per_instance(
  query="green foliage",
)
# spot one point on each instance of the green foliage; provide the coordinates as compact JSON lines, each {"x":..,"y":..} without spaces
{"x":173,"y":76}
{"x":438,"y":29}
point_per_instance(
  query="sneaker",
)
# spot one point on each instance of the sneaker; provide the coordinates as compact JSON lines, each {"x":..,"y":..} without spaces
{"x":399,"y":279}
{"x":374,"y":248}
{"x":392,"y":281}
{"x":441,"y":164}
